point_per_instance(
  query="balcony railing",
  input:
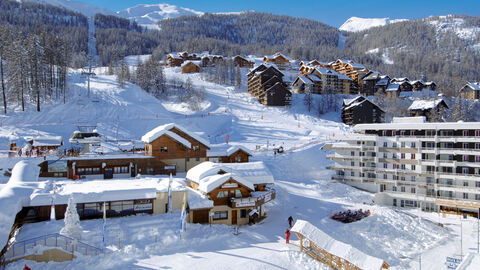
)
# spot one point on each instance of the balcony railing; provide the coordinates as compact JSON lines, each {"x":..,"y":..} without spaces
{"x":253,"y":201}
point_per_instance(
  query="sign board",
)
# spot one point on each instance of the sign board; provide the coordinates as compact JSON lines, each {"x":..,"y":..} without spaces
{"x":244,"y":203}
{"x":230,"y":185}
{"x":268,"y":197}
{"x":142,"y":207}
{"x":57,"y":166}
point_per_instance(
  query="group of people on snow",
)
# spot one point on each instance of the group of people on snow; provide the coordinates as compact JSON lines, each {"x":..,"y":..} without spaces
{"x":351,"y":216}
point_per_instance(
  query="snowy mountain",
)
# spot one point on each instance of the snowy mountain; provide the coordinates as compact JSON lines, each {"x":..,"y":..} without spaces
{"x":356,"y":24}
{"x":81,"y":7}
{"x":149,"y":15}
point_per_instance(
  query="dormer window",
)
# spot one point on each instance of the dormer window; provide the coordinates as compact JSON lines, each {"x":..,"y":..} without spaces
{"x":196,"y":148}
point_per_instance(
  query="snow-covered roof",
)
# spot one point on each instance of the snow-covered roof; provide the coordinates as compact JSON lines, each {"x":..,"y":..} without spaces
{"x":210,"y":183}
{"x":255,"y":172}
{"x":165,"y":129}
{"x":329,"y":71}
{"x":103,"y":190}
{"x":226,"y":150}
{"x":278,"y":55}
{"x":393,"y":87}
{"x":314,"y":78}
{"x":110,"y":156}
{"x":414,"y":119}
{"x":350,"y":103}
{"x":46,"y":141}
{"x":473,"y":85}
{"x":196,"y":62}
{"x":347,"y":102}
{"x":383,"y":81}
{"x":337,"y":248}
{"x":197,"y":200}
{"x":425,"y":104}
{"x":175,"y":55}
{"x":16,"y":194}
{"x":128,"y":146}
{"x":304,"y":79}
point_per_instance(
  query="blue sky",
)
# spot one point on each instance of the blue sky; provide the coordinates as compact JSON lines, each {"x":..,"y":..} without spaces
{"x":332,"y":12}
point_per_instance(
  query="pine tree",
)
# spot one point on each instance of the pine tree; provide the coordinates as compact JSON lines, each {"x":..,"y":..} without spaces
{"x":72,"y":227}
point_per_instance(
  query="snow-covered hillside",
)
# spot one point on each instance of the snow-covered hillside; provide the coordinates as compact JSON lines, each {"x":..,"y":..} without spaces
{"x":458,"y":26}
{"x":356,"y":24}
{"x":80,"y":7}
{"x":149,"y":15}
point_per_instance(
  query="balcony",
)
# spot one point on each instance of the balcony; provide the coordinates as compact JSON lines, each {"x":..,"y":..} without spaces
{"x":258,"y":198}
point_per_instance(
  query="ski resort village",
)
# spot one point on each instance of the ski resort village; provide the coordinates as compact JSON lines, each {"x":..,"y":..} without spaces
{"x":161,"y":137}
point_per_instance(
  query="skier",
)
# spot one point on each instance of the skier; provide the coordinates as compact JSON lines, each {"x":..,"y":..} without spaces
{"x":26,"y":267}
{"x":287,"y":236}
{"x":290,"y":221}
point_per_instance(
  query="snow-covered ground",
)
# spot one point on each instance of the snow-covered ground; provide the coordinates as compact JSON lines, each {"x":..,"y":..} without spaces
{"x":304,"y":188}
{"x":356,"y":24}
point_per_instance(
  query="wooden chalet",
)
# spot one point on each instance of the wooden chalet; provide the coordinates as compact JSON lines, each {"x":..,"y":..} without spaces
{"x":191,"y":67}
{"x":175,"y":145}
{"x":368,"y":83}
{"x":331,"y":252}
{"x":353,"y":70}
{"x":394,"y":89}
{"x":174,"y":60}
{"x":307,"y":83}
{"x":240,"y":61}
{"x":228,"y":154}
{"x":236,"y":199}
{"x":471,"y":90}
{"x":277,"y":95}
{"x":428,"y":108}
{"x":282,"y":61}
{"x":360,"y":110}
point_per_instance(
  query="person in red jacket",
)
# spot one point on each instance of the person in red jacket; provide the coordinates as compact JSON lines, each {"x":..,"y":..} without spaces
{"x":26,"y":267}
{"x":287,"y":236}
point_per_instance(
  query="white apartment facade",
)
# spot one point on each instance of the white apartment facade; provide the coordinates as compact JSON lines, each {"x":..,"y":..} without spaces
{"x":411,"y":163}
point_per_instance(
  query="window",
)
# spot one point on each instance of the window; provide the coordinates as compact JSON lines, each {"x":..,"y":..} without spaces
{"x":465,"y":195}
{"x":221,"y":194}
{"x":385,"y":155}
{"x":402,"y":178}
{"x":465,"y":145}
{"x":385,"y":176}
{"x":196,"y":148}
{"x":394,"y":188}
{"x":477,"y":158}
{"x":352,"y":153}
{"x":465,"y":184}
{"x":412,"y":145}
{"x":402,"y":189}
{"x":412,"y":190}
{"x":465,"y":170}
{"x":238,"y":193}
{"x":123,"y":169}
{"x":465,"y":158}
{"x":412,"y":178}
{"x":402,"y":155}
{"x":477,"y":145}
{"x":384,"y":133}
{"x":394,"y":145}
{"x":412,"y":156}
{"x":477,"y":133}
{"x":243,"y":213}
{"x":465,"y":133}
{"x":395,"y":177}
{"x":413,"y":167}
{"x":385,"y":165}
{"x":352,"y":163}
{"x":385,"y":144}
{"x":220,"y":215}
{"x":402,"y":166}
{"x":477,"y":184}
{"x":238,"y":159}
{"x":352,"y":173}
{"x":477,"y":197}
{"x":394,"y":155}
{"x":163,"y":149}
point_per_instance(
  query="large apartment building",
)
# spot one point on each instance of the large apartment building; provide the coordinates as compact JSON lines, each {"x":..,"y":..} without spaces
{"x":412,"y":163}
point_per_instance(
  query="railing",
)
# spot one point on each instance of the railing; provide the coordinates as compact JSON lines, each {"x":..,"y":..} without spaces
{"x":254,"y":201}
{"x":22,"y":248}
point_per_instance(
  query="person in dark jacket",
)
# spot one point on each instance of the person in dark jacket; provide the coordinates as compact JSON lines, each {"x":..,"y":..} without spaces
{"x":290,"y":221}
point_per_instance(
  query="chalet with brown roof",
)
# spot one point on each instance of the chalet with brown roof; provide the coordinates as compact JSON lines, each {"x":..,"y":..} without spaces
{"x":175,"y":145}
{"x":240,"y":61}
{"x":267,"y":78}
{"x":228,"y":154}
{"x":277,"y":95}
{"x":282,"y":61}
{"x":238,"y":192}
{"x":360,"y":110}
{"x":471,"y":90}
{"x":396,"y":87}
